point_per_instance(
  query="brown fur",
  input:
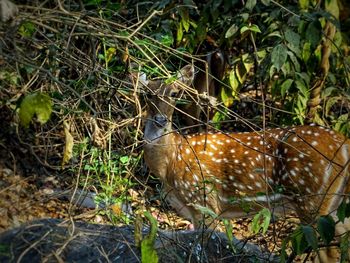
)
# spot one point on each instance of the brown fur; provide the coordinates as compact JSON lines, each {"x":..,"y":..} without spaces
{"x":303,"y":168}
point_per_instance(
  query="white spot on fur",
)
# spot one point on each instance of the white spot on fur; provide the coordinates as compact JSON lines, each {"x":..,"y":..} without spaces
{"x":213,"y":146}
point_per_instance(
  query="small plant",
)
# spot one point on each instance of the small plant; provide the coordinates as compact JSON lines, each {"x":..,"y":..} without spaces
{"x":111,"y":176}
{"x":148,"y":251}
{"x":261,"y":221}
{"x":307,"y":238}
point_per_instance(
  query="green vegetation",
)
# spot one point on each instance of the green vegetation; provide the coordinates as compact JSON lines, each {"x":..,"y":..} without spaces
{"x":68,"y":70}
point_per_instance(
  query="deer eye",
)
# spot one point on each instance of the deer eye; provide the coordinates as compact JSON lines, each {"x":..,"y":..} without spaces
{"x":148,"y":95}
{"x":173,"y":94}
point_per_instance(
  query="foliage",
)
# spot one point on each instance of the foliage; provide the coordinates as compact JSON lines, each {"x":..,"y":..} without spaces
{"x":287,"y":50}
{"x":343,"y":210}
{"x":261,"y":221}
{"x":111,"y":173}
{"x":38,"y":104}
{"x":228,"y":231}
{"x":344,"y":248}
{"x":305,"y":237}
{"x":148,"y":251}
{"x":75,"y":68}
{"x":281,"y":52}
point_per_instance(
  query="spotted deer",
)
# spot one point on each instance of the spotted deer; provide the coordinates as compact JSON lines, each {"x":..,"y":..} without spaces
{"x":304,"y":168}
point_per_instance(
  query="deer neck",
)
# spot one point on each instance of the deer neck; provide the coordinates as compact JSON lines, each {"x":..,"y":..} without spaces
{"x":160,"y":149}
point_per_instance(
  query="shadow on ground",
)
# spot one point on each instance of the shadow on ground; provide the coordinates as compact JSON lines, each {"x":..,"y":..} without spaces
{"x":54,"y":240}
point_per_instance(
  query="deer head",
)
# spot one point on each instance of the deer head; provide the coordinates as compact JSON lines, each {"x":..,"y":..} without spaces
{"x":161,"y":103}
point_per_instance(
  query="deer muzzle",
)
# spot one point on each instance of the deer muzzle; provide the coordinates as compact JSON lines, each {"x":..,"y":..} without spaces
{"x":160,"y":120}
{"x":156,"y":127}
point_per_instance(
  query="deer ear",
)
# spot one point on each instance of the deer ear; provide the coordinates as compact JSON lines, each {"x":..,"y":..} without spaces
{"x":143,"y":79}
{"x":136,"y":75}
{"x":186,"y":74}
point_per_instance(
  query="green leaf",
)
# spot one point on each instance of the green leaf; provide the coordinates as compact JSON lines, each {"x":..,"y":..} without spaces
{"x":343,"y":210}
{"x":337,"y":41}
{"x":304,"y":4}
{"x":124,"y":159}
{"x":344,"y":247}
{"x":279,"y":56}
{"x":293,"y":41}
{"x":313,"y":33}
{"x":261,"y":221}
{"x":332,"y":6}
{"x":142,"y":42}
{"x":234,"y":82}
{"x":193,"y":24}
{"x":328,"y":92}
{"x":294,"y":60}
{"x":231,"y":31}
{"x":250,"y":4}
{"x":244,"y":16}
{"x":261,"y":55}
{"x":299,"y":242}
{"x":342,"y":123}
{"x":179,"y":34}
{"x":326,"y":228}
{"x":285,"y":86}
{"x":274,"y":34}
{"x":248,"y":63}
{"x":148,"y":251}
{"x":110,"y":53}
{"x":318,"y":54}
{"x":205,"y":210}
{"x":347,"y":210}
{"x":170,"y":80}
{"x":286,"y":69}
{"x":218,"y":117}
{"x":226,"y":97}
{"x":310,"y":236}
{"x":284,"y":250}
{"x":185,"y":19}
{"x":266,"y":2}
{"x":26,"y":29}
{"x":329,"y":104}
{"x":252,"y":28}
{"x":167,"y":40}
{"x":38,"y":104}
{"x":229,"y":230}
{"x":201,"y":32}
{"x":304,"y":77}
{"x":292,"y":37}
{"x":300,"y":85}
{"x":306,"y":53}
{"x":244,"y":29}
{"x":272,"y":71}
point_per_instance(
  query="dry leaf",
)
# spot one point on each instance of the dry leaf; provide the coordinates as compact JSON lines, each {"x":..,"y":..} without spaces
{"x":126,"y":55}
{"x":97,"y":137}
{"x":68,"y":148}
